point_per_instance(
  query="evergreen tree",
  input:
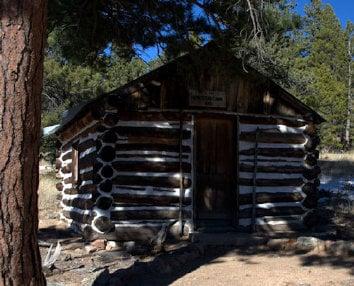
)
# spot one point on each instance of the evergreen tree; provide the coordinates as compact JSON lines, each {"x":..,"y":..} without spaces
{"x":320,"y":68}
{"x":66,"y":85}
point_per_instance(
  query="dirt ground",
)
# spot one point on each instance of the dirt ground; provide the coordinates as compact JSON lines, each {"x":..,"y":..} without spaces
{"x":268,"y":270}
{"x":75,"y":266}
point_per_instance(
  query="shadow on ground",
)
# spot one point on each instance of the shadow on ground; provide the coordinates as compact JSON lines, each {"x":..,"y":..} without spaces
{"x":52,"y":234}
{"x":169,"y":267}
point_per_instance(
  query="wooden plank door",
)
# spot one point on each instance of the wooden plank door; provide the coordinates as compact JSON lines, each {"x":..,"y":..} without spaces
{"x":215,"y":171}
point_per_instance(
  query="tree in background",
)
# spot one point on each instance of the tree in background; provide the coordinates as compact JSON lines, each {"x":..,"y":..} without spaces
{"x":66,"y":84}
{"x":348,"y":126}
{"x":82,"y":29}
{"x":307,"y":55}
{"x":270,"y":52}
{"x":319,"y":70}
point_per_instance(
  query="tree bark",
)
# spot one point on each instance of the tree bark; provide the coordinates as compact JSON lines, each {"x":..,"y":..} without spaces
{"x":22,"y":29}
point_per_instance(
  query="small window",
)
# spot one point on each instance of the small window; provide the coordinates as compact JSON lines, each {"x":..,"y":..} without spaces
{"x":75,"y":156}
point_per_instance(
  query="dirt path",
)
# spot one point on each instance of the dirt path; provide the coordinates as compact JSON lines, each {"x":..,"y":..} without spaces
{"x":272,"y":270}
{"x":259,"y":267}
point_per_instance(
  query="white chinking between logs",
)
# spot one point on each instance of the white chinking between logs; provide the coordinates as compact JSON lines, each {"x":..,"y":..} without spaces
{"x":133,"y":186}
{"x":273,"y":166}
{"x":122,"y":214}
{"x":71,"y":212}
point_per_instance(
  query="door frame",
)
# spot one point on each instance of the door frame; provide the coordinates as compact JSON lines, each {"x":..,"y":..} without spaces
{"x":235,"y":119}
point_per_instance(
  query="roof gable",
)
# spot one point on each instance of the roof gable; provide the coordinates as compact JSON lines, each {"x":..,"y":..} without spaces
{"x":170,"y":70}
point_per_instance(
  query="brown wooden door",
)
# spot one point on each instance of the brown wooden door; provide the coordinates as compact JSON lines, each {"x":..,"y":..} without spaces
{"x":215,"y":171}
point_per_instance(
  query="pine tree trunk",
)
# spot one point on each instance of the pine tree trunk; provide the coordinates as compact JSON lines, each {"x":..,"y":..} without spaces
{"x":349,"y":110}
{"x":22,"y":30}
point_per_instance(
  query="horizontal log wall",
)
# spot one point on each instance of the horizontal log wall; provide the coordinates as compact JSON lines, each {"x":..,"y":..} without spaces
{"x":78,"y":197}
{"x":138,"y":174}
{"x":286,"y":172}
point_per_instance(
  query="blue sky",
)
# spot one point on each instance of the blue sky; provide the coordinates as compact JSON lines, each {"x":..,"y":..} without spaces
{"x":344,"y":10}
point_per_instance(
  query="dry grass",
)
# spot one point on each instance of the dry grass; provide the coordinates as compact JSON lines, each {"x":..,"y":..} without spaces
{"x":337,"y":164}
{"x":347,"y":156}
{"x":48,"y":196}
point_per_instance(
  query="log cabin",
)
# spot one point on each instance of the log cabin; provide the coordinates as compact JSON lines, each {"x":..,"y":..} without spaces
{"x":202,"y":143}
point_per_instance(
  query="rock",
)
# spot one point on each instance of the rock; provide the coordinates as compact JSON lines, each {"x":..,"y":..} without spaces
{"x":73,"y":246}
{"x":90,"y":248}
{"x":99,"y":244}
{"x":96,"y":245}
{"x":341,"y":248}
{"x":113,"y":245}
{"x":304,"y":243}
{"x":277,"y":243}
{"x":136,"y":249}
{"x":129,"y":246}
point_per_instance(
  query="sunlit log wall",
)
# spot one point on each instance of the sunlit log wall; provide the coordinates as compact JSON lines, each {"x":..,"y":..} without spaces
{"x":286,"y":178}
{"x":133,"y":165}
{"x":140,"y":173}
{"x":78,"y":196}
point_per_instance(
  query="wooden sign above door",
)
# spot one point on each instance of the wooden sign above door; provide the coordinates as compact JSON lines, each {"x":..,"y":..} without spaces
{"x":207,"y":98}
